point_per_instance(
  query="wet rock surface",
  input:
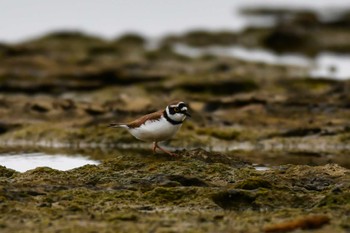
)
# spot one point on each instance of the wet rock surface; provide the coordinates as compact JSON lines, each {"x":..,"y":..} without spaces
{"x":184,"y":194}
{"x":139,"y":192}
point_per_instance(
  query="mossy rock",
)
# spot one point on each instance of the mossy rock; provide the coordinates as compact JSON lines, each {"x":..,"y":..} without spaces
{"x":223,"y":161}
{"x":235,"y":199}
{"x":170,"y":195}
{"x":131,"y":40}
{"x":308,"y":84}
{"x":201,"y":38}
{"x":253,"y":183}
{"x":335,"y":199}
{"x":6,"y":172}
{"x":70,"y":35}
{"x":165,"y":52}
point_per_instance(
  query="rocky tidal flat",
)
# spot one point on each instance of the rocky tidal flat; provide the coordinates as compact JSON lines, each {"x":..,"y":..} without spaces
{"x":198,"y":192}
{"x":266,"y":150}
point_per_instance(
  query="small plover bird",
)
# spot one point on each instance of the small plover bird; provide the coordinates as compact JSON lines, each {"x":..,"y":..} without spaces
{"x":157,"y":126}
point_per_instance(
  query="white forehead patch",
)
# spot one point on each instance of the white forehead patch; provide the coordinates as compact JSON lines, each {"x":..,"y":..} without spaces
{"x":176,"y":105}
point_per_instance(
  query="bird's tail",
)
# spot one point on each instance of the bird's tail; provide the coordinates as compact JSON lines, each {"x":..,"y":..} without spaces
{"x":117,"y":125}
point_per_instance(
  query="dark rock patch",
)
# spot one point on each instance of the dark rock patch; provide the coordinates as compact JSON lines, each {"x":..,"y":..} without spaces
{"x":236,"y":199}
{"x":301,"y":132}
{"x":220,"y":87}
{"x":187,"y":181}
{"x":6,"y":127}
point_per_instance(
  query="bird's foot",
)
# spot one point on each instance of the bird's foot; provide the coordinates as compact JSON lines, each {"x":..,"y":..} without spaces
{"x":172,"y":154}
{"x":155,"y":146}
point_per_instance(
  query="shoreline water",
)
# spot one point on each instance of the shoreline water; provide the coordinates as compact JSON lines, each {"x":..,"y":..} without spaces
{"x":104,"y":20}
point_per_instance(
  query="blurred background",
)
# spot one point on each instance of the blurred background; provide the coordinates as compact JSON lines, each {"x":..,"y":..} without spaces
{"x":109,"y":19}
{"x":265,"y":80}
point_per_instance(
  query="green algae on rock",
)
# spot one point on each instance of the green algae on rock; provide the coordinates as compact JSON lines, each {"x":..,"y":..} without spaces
{"x":5,"y":172}
{"x":142,"y":191}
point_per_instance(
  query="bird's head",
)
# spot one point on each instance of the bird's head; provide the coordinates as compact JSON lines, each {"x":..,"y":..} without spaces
{"x":177,"y":111}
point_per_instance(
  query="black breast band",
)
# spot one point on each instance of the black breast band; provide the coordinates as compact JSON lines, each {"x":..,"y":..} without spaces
{"x":165,"y":114}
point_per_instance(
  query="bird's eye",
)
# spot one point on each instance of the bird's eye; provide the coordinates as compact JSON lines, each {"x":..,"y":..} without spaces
{"x":176,"y":109}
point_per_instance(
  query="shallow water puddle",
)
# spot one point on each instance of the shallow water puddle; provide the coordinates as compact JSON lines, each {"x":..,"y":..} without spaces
{"x":261,"y":168}
{"x":328,"y":65}
{"x":27,"y":161}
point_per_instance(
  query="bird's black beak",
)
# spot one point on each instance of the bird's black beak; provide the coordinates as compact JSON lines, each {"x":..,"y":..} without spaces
{"x":187,"y":114}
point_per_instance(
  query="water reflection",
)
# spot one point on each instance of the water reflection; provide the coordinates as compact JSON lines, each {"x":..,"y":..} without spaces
{"x":332,"y":65}
{"x":69,"y":158}
{"x":327,"y":65}
{"x":261,"y":168}
{"x":27,"y":161}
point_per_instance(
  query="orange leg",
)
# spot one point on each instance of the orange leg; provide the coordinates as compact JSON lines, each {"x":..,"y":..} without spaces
{"x":155,"y":146}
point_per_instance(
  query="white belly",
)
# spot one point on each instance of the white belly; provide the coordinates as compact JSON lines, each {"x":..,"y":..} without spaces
{"x":155,"y":131}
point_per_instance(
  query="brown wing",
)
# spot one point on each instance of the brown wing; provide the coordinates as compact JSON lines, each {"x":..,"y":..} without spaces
{"x":143,"y":119}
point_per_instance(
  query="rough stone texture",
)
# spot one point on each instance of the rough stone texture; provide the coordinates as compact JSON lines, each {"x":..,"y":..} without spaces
{"x":134,"y":192}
